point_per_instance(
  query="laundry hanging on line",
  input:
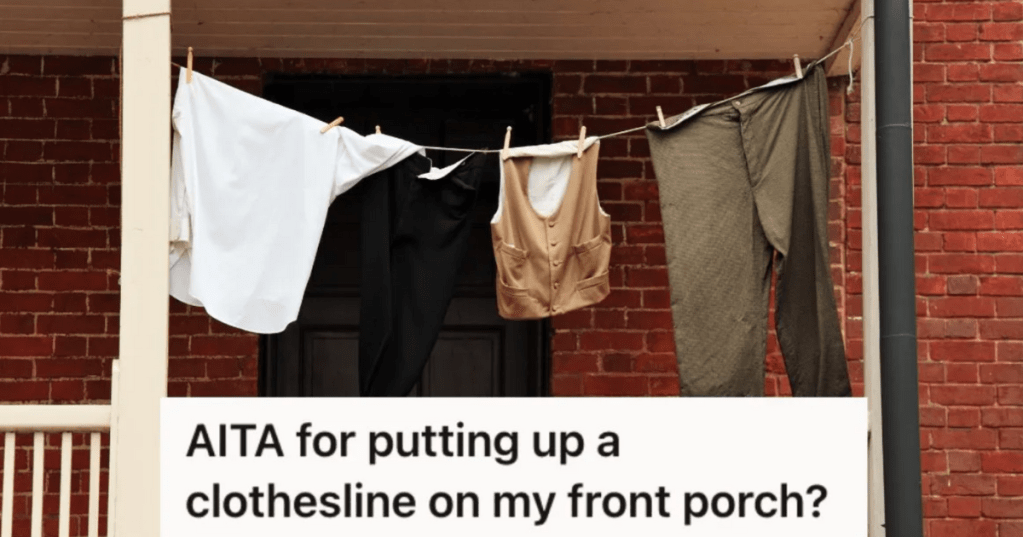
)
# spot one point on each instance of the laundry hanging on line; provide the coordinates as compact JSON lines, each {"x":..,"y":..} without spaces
{"x":739,"y":182}
{"x":415,"y":236}
{"x":551,"y":238}
{"x":244,"y":168}
{"x":251,"y":182}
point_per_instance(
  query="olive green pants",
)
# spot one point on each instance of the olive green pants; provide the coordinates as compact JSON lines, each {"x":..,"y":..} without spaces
{"x":739,"y":182}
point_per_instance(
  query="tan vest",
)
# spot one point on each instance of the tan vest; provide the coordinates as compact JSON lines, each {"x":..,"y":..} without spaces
{"x":558,"y":263}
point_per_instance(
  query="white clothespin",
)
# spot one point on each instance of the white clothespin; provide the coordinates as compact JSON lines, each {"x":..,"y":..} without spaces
{"x":582,"y":139}
{"x":660,"y":116}
{"x":378,"y":129}
{"x":507,"y":143}
{"x":331,"y":125}
{"x":799,"y":67}
{"x":188,"y":75}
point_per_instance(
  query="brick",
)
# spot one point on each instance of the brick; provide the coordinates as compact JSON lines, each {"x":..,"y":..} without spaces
{"x":960,"y":416}
{"x":1001,"y":154}
{"x":224,"y":388}
{"x":1002,"y":286}
{"x":1000,"y":31}
{"x":1002,"y":417}
{"x":68,"y":151}
{"x":964,"y":507}
{"x":647,"y":277}
{"x":1010,"y":439}
{"x":566,"y":385}
{"x":1001,"y":329}
{"x":620,"y":385}
{"x":610,"y":340}
{"x":71,"y":324}
{"x":960,"y":32}
{"x":58,"y":107}
{"x":959,"y":52}
{"x":78,"y":65}
{"x":958,"y":93}
{"x":1002,"y":241}
{"x":977,"y":133}
{"x":957,"y":112}
{"x":73,"y":281}
{"x":24,"y":391}
{"x":961,"y":528}
{"x":957,"y":12}
{"x":1007,"y":11}
{"x":1002,"y":508}
{"x":713,"y":84}
{"x":68,"y":367}
{"x":966,"y":284}
{"x":960,"y":263}
{"x":960,"y":439}
{"x":964,"y":461}
{"x":961,"y":220}
{"x":964,"y":485}
{"x":614,"y":84}
{"x":961,"y":307}
{"x":1001,"y":373}
{"x":999,"y":113}
{"x":963,"y":395}
{"x":25,"y":346}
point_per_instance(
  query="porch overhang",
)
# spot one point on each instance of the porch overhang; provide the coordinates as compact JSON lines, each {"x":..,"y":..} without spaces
{"x":452,"y":29}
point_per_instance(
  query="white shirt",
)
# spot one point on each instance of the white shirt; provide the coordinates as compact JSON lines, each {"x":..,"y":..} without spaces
{"x":251,"y":182}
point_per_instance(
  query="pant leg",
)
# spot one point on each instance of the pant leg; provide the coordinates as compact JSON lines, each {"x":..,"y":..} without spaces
{"x":718,"y":257}
{"x":786,"y":137}
{"x":377,"y":203}
{"x":430,"y":241}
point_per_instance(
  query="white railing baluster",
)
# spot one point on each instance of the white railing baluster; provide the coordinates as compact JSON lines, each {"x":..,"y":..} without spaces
{"x":38,"y":450}
{"x":8,"y":507}
{"x":65,"y":485}
{"x":94,"y":449}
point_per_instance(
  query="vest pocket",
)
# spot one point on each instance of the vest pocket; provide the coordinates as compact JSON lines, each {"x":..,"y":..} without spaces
{"x":593,"y":257}
{"x":593,"y":290}
{"x":511,"y":268}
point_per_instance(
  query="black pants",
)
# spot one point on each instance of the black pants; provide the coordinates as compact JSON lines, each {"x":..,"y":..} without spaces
{"x":739,"y":183}
{"x":415,"y":235}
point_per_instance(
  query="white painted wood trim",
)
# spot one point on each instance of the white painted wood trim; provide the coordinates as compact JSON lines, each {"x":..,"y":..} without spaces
{"x":55,"y":418}
{"x":145,"y":207}
{"x":8,"y":501}
{"x":64,"y":529}
{"x":871,"y":293}
{"x":94,"y":473}
{"x":115,"y":399}
{"x":38,"y":450}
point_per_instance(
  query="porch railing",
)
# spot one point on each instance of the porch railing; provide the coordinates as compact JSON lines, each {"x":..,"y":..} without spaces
{"x":67,"y":420}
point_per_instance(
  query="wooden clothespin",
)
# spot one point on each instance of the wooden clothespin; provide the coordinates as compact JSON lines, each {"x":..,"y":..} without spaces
{"x":331,"y":125}
{"x":507,"y":142}
{"x":660,"y":117}
{"x":582,"y":140}
{"x":378,"y":129}
{"x":799,"y":67}
{"x":188,"y":74}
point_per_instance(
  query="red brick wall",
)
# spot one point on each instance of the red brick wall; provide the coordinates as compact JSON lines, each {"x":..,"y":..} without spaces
{"x":968,"y":111}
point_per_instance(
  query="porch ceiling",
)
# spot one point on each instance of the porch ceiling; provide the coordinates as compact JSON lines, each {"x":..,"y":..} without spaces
{"x":499,"y":29}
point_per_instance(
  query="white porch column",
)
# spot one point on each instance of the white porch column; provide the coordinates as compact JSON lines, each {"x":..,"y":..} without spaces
{"x":145,"y":174}
{"x":871,"y":296}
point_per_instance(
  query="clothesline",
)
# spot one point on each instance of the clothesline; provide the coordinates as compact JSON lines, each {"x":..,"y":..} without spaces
{"x":849,"y":43}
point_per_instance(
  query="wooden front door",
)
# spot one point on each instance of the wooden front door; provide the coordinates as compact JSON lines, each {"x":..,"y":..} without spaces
{"x":478,"y":353}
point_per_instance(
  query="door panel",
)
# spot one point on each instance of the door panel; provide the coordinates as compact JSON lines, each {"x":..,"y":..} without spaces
{"x":477,"y":353}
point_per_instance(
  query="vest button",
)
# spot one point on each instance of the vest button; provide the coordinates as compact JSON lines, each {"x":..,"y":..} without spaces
{"x":554,"y":243}
{"x":551,"y":224}
{"x":555,"y":285}
{"x":556,"y":263}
